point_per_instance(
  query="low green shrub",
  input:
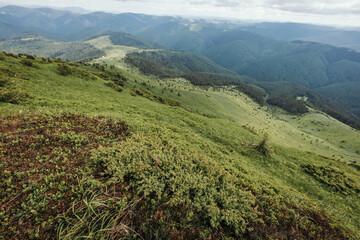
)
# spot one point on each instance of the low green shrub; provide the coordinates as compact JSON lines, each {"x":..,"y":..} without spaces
{"x":64,"y":69}
{"x":102,"y":75}
{"x":333,"y":178}
{"x":185,"y":195}
{"x":118,"y":81}
{"x":114,"y":86}
{"x":30,"y":57}
{"x":180,"y":190}
{"x":27,"y":62}
{"x":12,"y":95}
{"x":263,"y":146}
{"x":155,"y":98}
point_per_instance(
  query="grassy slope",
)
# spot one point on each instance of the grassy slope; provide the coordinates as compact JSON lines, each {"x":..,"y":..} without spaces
{"x":214,"y":128}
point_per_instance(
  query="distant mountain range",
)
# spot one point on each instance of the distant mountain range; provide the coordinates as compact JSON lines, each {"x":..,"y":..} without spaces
{"x":298,"y":31}
{"x":65,"y":24}
{"x":273,"y":53}
{"x":77,"y":23}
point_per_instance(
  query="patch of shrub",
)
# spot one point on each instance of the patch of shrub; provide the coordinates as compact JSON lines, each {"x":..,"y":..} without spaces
{"x":120,"y":77}
{"x":176,"y":188}
{"x":10,"y":55}
{"x":14,"y":96}
{"x":113,"y":86}
{"x":155,"y":98}
{"x":333,"y":178}
{"x":176,"y":193}
{"x":30,"y":57}
{"x":118,"y":81}
{"x":27,"y":62}
{"x":263,"y":146}
{"x":102,"y":75}
{"x":64,"y":69}
{"x":2,"y":56}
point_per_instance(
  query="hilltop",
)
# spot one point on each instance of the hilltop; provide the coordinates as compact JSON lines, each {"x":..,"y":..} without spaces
{"x":101,"y":150}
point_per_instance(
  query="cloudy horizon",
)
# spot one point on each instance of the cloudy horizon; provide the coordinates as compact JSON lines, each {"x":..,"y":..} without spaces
{"x":324,"y":12}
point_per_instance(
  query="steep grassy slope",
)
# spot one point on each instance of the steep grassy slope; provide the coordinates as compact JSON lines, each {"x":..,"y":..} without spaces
{"x":192,"y":171}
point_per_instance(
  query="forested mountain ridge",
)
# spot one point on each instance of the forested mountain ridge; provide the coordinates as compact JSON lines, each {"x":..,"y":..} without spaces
{"x":72,"y":26}
{"x":313,"y":65}
{"x":298,"y":31}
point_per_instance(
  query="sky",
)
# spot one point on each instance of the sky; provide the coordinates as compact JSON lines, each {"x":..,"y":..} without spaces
{"x":325,"y":12}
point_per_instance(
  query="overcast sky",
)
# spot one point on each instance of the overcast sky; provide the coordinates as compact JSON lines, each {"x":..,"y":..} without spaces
{"x":329,"y":12}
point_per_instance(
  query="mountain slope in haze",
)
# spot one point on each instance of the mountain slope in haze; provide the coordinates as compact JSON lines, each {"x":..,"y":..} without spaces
{"x":72,"y":26}
{"x":298,"y":31}
{"x":40,"y":45}
{"x":198,"y":169}
{"x":8,"y":30}
{"x":46,"y":20}
{"x":176,"y":36}
{"x":287,"y":31}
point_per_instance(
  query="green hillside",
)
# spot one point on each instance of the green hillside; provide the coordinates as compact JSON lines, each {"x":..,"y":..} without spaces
{"x":100,"y":152}
{"x":133,"y":41}
{"x":172,"y":63}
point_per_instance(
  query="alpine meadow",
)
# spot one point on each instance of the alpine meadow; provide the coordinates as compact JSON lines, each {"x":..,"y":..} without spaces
{"x":135,"y":126}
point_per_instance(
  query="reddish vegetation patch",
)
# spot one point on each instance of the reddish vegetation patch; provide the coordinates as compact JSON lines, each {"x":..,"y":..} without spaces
{"x":40,"y":159}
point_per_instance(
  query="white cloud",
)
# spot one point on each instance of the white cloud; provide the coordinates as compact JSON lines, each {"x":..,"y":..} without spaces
{"x":325,"y":7}
{"x":345,"y":12}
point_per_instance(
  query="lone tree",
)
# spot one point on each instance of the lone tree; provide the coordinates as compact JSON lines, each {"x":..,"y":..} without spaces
{"x":263,"y":146}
